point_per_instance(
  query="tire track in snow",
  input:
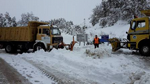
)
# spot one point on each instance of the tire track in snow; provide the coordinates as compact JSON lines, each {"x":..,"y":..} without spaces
{"x":47,"y":74}
{"x":60,"y":78}
{"x":9,"y":75}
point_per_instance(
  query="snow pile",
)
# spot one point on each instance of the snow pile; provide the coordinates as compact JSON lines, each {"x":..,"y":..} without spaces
{"x":140,"y":77}
{"x":120,"y":67}
{"x":144,"y":79}
{"x":101,"y":52}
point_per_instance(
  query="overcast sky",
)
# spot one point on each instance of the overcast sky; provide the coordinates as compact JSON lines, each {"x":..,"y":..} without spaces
{"x":74,"y":10}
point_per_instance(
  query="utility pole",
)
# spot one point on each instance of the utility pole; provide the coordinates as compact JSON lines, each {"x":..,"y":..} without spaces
{"x":84,"y":27}
{"x":84,"y":22}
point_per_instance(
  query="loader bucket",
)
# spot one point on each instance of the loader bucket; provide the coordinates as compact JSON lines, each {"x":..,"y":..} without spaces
{"x":115,"y":43}
{"x":146,"y":12}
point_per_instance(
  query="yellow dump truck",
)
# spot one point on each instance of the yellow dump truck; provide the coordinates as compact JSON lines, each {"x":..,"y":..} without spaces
{"x":37,"y":35}
{"x":138,"y":35}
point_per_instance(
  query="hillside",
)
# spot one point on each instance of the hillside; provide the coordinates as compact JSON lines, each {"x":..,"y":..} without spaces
{"x":118,"y":30}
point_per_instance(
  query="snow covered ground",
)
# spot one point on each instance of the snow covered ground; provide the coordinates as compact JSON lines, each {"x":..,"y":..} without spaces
{"x":84,"y":65}
{"x":118,"y":30}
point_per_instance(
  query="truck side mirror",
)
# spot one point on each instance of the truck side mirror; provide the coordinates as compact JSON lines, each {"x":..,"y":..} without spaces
{"x":130,"y":24}
{"x":133,"y":25}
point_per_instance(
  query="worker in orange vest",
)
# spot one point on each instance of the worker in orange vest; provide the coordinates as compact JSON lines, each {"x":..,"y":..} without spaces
{"x":96,"y":42}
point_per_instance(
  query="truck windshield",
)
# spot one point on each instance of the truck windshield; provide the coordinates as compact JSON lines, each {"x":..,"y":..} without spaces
{"x":55,"y":31}
{"x":141,"y":24}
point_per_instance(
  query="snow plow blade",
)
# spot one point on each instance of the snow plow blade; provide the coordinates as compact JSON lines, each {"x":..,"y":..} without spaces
{"x":115,"y":43}
{"x":70,"y":46}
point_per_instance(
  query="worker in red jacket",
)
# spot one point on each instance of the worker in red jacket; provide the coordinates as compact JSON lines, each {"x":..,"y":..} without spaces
{"x":96,"y":42}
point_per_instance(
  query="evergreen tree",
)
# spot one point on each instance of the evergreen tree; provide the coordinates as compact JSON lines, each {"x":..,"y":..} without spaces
{"x":2,"y":20}
{"x":110,"y":11}
{"x":65,"y":26}
{"x":10,"y":22}
{"x":7,"y":21}
{"x":13,"y":23}
{"x":25,"y":18}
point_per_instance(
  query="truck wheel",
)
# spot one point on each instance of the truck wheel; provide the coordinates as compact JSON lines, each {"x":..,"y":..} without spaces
{"x":145,"y":50}
{"x":39,"y":47}
{"x":10,"y":49}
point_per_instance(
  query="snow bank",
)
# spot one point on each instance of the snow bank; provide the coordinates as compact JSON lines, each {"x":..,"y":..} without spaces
{"x":143,"y":79}
{"x":80,"y":66}
{"x":101,"y":52}
{"x":140,"y":77}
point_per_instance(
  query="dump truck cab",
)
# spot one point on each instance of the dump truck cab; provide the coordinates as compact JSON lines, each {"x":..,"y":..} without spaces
{"x":48,"y":37}
{"x":139,"y":34}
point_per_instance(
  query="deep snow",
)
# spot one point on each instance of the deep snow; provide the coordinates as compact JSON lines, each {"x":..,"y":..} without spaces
{"x":85,"y":65}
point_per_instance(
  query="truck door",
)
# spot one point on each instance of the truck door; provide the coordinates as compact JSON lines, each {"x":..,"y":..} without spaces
{"x":140,"y":31}
{"x":46,"y":35}
{"x":141,"y":27}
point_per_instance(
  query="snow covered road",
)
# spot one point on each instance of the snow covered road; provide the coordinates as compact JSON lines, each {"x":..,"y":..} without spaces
{"x":9,"y":75}
{"x":78,"y":67}
{"x":30,"y":72}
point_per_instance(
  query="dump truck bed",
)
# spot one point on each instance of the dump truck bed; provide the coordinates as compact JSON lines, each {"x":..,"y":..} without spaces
{"x":27,"y":33}
{"x":14,"y":34}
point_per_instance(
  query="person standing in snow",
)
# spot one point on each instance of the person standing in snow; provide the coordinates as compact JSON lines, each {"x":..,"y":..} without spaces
{"x":96,"y":42}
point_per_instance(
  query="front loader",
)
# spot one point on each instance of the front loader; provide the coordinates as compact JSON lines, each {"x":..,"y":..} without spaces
{"x":138,"y":36}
